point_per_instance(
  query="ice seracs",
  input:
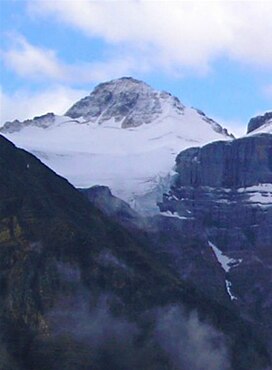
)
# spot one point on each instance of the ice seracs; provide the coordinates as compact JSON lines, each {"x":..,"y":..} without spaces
{"x":124,"y":135}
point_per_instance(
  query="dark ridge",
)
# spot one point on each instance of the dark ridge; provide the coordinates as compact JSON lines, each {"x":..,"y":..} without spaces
{"x":47,"y":227}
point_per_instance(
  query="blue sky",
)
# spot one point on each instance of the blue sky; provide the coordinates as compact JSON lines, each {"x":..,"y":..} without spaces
{"x":214,"y":55}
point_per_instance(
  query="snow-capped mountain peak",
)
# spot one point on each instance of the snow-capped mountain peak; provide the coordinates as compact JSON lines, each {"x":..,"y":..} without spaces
{"x":124,"y":135}
{"x":129,"y":102}
{"x":122,"y":103}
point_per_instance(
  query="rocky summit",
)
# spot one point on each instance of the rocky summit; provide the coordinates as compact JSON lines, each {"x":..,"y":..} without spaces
{"x":131,"y":103}
{"x":126,"y":100}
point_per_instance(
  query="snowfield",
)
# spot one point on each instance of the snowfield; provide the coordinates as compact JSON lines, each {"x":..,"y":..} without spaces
{"x":132,"y":161}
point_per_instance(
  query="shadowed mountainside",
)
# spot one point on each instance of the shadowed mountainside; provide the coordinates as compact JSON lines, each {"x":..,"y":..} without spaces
{"x":61,"y":259}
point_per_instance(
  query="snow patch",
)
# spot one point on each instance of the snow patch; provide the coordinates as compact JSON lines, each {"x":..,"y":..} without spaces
{"x":228,"y":286}
{"x":226,"y":262}
{"x":260,"y":194}
{"x":173,"y":215}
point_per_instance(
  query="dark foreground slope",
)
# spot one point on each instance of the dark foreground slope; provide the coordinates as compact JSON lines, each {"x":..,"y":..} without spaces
{"x":78,"y":292}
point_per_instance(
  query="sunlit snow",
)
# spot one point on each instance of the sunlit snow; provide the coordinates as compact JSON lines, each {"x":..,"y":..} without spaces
{"x":130,"y":148}
{"x":130,"y":161}
{"x":173,"y":215}
{"x":260,"y":194}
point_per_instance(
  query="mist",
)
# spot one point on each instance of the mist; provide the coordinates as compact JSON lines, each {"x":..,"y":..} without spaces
{"x":189,"y":343}
{"x":160,"y":339}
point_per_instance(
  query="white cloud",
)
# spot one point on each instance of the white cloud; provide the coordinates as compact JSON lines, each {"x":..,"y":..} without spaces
{"x":30,"y":61}
{"x":25,"y":104}
{"x":173,"y":34}
{"x":252,"y":33}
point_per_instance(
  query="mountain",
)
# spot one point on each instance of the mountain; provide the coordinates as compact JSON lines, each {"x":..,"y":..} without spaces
{"x":78,"y":291}
{"x":260,"y":124}
{"x":179,"y":242}
{"x":116,"y":208}
{"x":87,"y":282}
{"x":226,"y":188}
{"x":124,"y":135}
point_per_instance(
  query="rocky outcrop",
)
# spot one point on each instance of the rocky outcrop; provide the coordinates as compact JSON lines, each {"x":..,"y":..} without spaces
{"x":227,"y":188}
{"x":120,"y":211}
{"x":43,"y":121}
{"x":259,"y":121}
{"x":234,"y":164}
{"x":125,"y":100}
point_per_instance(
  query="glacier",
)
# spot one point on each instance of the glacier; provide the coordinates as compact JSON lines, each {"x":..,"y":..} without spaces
{"x":124,"y":135}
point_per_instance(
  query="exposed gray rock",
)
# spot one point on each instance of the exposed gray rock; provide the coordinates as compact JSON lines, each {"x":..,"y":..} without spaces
{"x":217,"y":128}
{"x":227,"y":188}
{"x":259,"y":121}
{"x":128,"y":100}
{"x":132,"y":103}
{"x":102,"y":198}
{"x":182,"y":243}
{"x":43,"y":121}
{"x":232,"y":164}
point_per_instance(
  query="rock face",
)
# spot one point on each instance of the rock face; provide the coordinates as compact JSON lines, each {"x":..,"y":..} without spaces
{"x":240,"y":163}
{"x":227,"y":188}
{"x":182,"y":243}
{"x":126,"y":100}
{"x":120,"y":211}
{"x":259,"y":122}
{"x":43,"y":121}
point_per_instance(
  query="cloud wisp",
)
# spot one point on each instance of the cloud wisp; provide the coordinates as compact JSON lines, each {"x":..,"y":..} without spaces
{"x":39,"y":64}
{"x":173,"y":35}
{"x":30,"y":61}
{"x":174,"y":338}
{"x":56,"y":99}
